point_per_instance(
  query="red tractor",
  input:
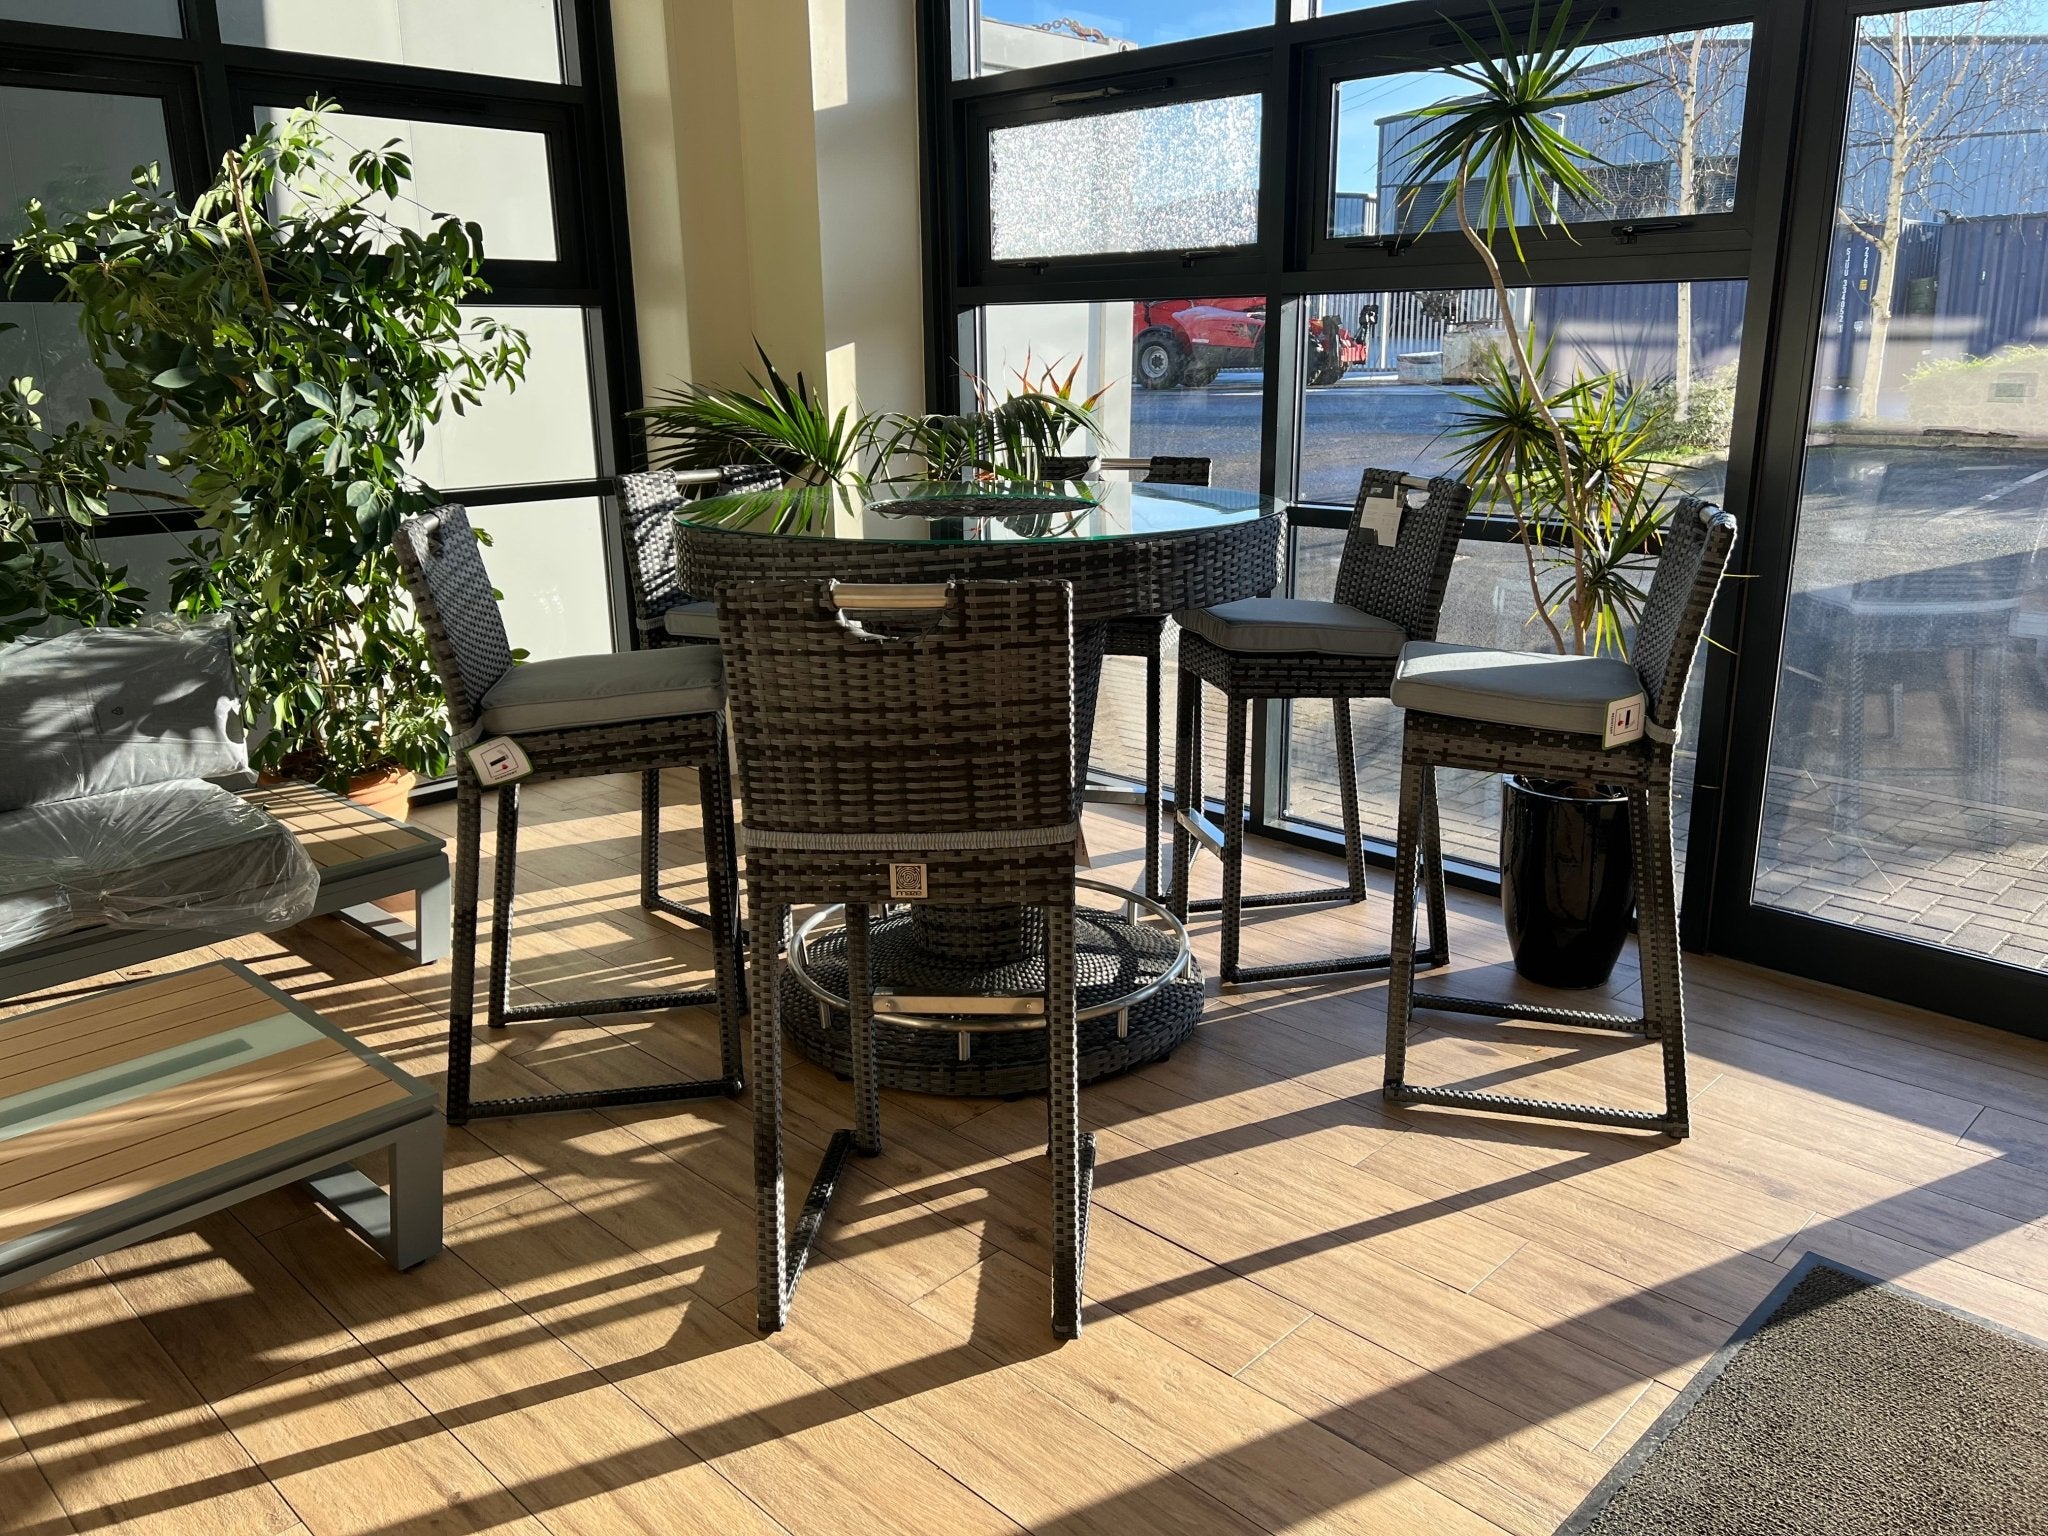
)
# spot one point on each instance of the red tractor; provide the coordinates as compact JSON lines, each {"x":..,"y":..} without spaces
{"x":1185,"y":343}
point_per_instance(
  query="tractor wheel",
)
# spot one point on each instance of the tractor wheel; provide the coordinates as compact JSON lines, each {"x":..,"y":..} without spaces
{"x":1156,"y":359}
{"x":1325,"y":367}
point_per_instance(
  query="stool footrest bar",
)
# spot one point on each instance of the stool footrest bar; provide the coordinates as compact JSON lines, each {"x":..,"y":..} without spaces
{"x":584,"y":1008}
{"x":1547,"y":1109}
{"x":1336,"y":967}
{"x":1326,"y":894}
{"x":599,"y":1098}
{"x":1534,"y":1013}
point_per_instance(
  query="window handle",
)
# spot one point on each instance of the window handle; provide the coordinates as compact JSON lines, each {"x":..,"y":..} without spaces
{"x":1625,"y":234}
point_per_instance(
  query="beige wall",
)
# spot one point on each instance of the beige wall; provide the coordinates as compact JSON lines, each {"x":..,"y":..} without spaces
{"x":772,"y":200}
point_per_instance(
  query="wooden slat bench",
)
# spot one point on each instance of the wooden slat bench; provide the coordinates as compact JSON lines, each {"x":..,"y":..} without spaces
{"x":361,"y":855}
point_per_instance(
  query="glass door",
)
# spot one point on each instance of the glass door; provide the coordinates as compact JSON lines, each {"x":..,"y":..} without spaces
{"x":1903,"y":802}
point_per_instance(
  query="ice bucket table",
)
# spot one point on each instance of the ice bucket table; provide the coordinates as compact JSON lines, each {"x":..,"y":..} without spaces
{"x":142,"y":1108}
{"x":1130,"y":551}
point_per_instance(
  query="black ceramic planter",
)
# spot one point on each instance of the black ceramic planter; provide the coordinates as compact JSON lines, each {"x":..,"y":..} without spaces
{"x":1567,"y":882}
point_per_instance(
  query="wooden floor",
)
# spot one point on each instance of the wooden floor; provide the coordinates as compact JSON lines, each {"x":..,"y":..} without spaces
{"x":1306,"y":1312}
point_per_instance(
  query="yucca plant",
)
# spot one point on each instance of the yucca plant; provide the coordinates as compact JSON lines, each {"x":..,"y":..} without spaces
{"x":1561,"y":461}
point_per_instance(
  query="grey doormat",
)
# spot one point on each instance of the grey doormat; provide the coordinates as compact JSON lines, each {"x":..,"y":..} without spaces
{"x":1843,"y":1407}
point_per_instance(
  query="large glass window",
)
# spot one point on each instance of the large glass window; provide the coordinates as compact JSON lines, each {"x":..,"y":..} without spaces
{"x":1903,"y":794}
{"x":1666,"y":148}
{"x":1399,"y":408}
{"x":1179,"y":177}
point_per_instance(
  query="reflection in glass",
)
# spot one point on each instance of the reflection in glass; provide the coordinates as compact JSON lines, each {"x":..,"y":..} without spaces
{"x":1180,"y":177}
{"x":544,"y":430}
{"x":496,"y":178}
{"x":1666,"y":149}
{"x":1912,"y":703}
{"x":153,"y":18}
{"x":993,"y":37}
{"x":73,"y":149}
{"x":547,"y":557}
{"x":518,"y":39}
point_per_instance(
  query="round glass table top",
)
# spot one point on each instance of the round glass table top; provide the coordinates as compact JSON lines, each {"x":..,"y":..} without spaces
{"x":937,"y":512}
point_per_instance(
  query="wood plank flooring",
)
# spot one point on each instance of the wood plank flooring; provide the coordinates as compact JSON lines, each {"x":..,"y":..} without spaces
{"x":1307,"y":1312}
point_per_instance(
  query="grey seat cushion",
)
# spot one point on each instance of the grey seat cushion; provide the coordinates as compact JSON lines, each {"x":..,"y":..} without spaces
{"x":1284,"y":626}
{"x":694,"y":621}
{"x":605,"y":690}
{"x":1542,"y":692}
{"x":187,"y":855}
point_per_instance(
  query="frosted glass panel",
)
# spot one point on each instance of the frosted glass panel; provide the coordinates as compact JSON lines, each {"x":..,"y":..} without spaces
{"x":1180,"y":177}
{"x":516,"y":38}
{"x":496,"y":177}
{"x":157,"y":18}
{"x":73,"y":149}
{"x":541,"y":431}
{"x":547,"y":557}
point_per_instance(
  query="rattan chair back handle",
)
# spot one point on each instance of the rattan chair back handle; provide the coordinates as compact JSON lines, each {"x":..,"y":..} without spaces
{"x":888,"y":597}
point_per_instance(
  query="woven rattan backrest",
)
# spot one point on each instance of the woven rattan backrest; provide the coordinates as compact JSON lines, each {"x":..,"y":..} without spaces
{"x":1177,"y":469}
{"x":1697,"y":539}
{"x":649,"y":502}
{"x":957,"y":720}
{"x":445,"y":573}
{"x":1404,"y":583}
{"x":1066,"y":466}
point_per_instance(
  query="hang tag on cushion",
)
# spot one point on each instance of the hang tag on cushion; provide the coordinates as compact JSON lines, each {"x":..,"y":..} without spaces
{"x":1625,"y":721}
{"x":1382,"y":514}
{"x":501,"y":760}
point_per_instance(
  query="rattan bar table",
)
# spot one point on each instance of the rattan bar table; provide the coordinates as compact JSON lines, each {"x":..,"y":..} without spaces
{"x":1130,"y":551}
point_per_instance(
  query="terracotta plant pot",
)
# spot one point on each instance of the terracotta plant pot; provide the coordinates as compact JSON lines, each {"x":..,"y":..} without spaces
{"x":387,"y":791}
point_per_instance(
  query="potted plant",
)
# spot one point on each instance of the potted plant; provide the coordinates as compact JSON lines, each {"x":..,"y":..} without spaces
{"x":785,"y":426}
{"x":278,"y":353}
{"x":1571,"y":462}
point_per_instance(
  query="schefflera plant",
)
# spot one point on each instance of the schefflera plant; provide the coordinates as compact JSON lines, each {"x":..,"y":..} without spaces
{"x":288,"y":344}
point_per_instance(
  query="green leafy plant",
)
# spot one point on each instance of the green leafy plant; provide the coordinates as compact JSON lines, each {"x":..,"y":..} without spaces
{"x":1570,"y":465}
{"x":290,"y":344}
{"x":829,"y":460}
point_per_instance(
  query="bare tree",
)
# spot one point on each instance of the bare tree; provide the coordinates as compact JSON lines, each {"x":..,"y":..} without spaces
{"x":1687,"y":121}
{"x":1926,"y":82}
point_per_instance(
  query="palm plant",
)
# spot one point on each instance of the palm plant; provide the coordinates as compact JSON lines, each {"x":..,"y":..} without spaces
{"x":1570,"y":464}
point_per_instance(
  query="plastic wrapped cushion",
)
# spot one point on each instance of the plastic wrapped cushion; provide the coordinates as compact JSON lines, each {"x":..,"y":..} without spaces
{"x":104,"y":709}
{"x":183,"y":855}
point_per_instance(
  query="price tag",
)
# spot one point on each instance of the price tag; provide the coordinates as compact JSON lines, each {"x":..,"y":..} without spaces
{"x":1625,"y":719}
{"x":501,"y":760}
{"x":1382,"y":514}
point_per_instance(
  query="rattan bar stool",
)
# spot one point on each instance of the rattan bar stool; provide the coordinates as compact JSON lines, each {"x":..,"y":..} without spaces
{"x":575,"y":717}
{"x":908,"y":744}
{"x":1547,"y":716}
{"x":1292,"y":648}
{"x":665,"y":615}
{"x":1145,"y":636}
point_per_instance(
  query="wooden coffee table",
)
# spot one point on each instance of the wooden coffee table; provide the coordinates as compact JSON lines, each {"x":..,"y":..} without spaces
{"x":142,"y":1108}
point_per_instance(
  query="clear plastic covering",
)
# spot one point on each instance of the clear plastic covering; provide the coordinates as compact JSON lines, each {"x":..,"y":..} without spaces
{"x":96,"y":710}
{"x":186,"y":855}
